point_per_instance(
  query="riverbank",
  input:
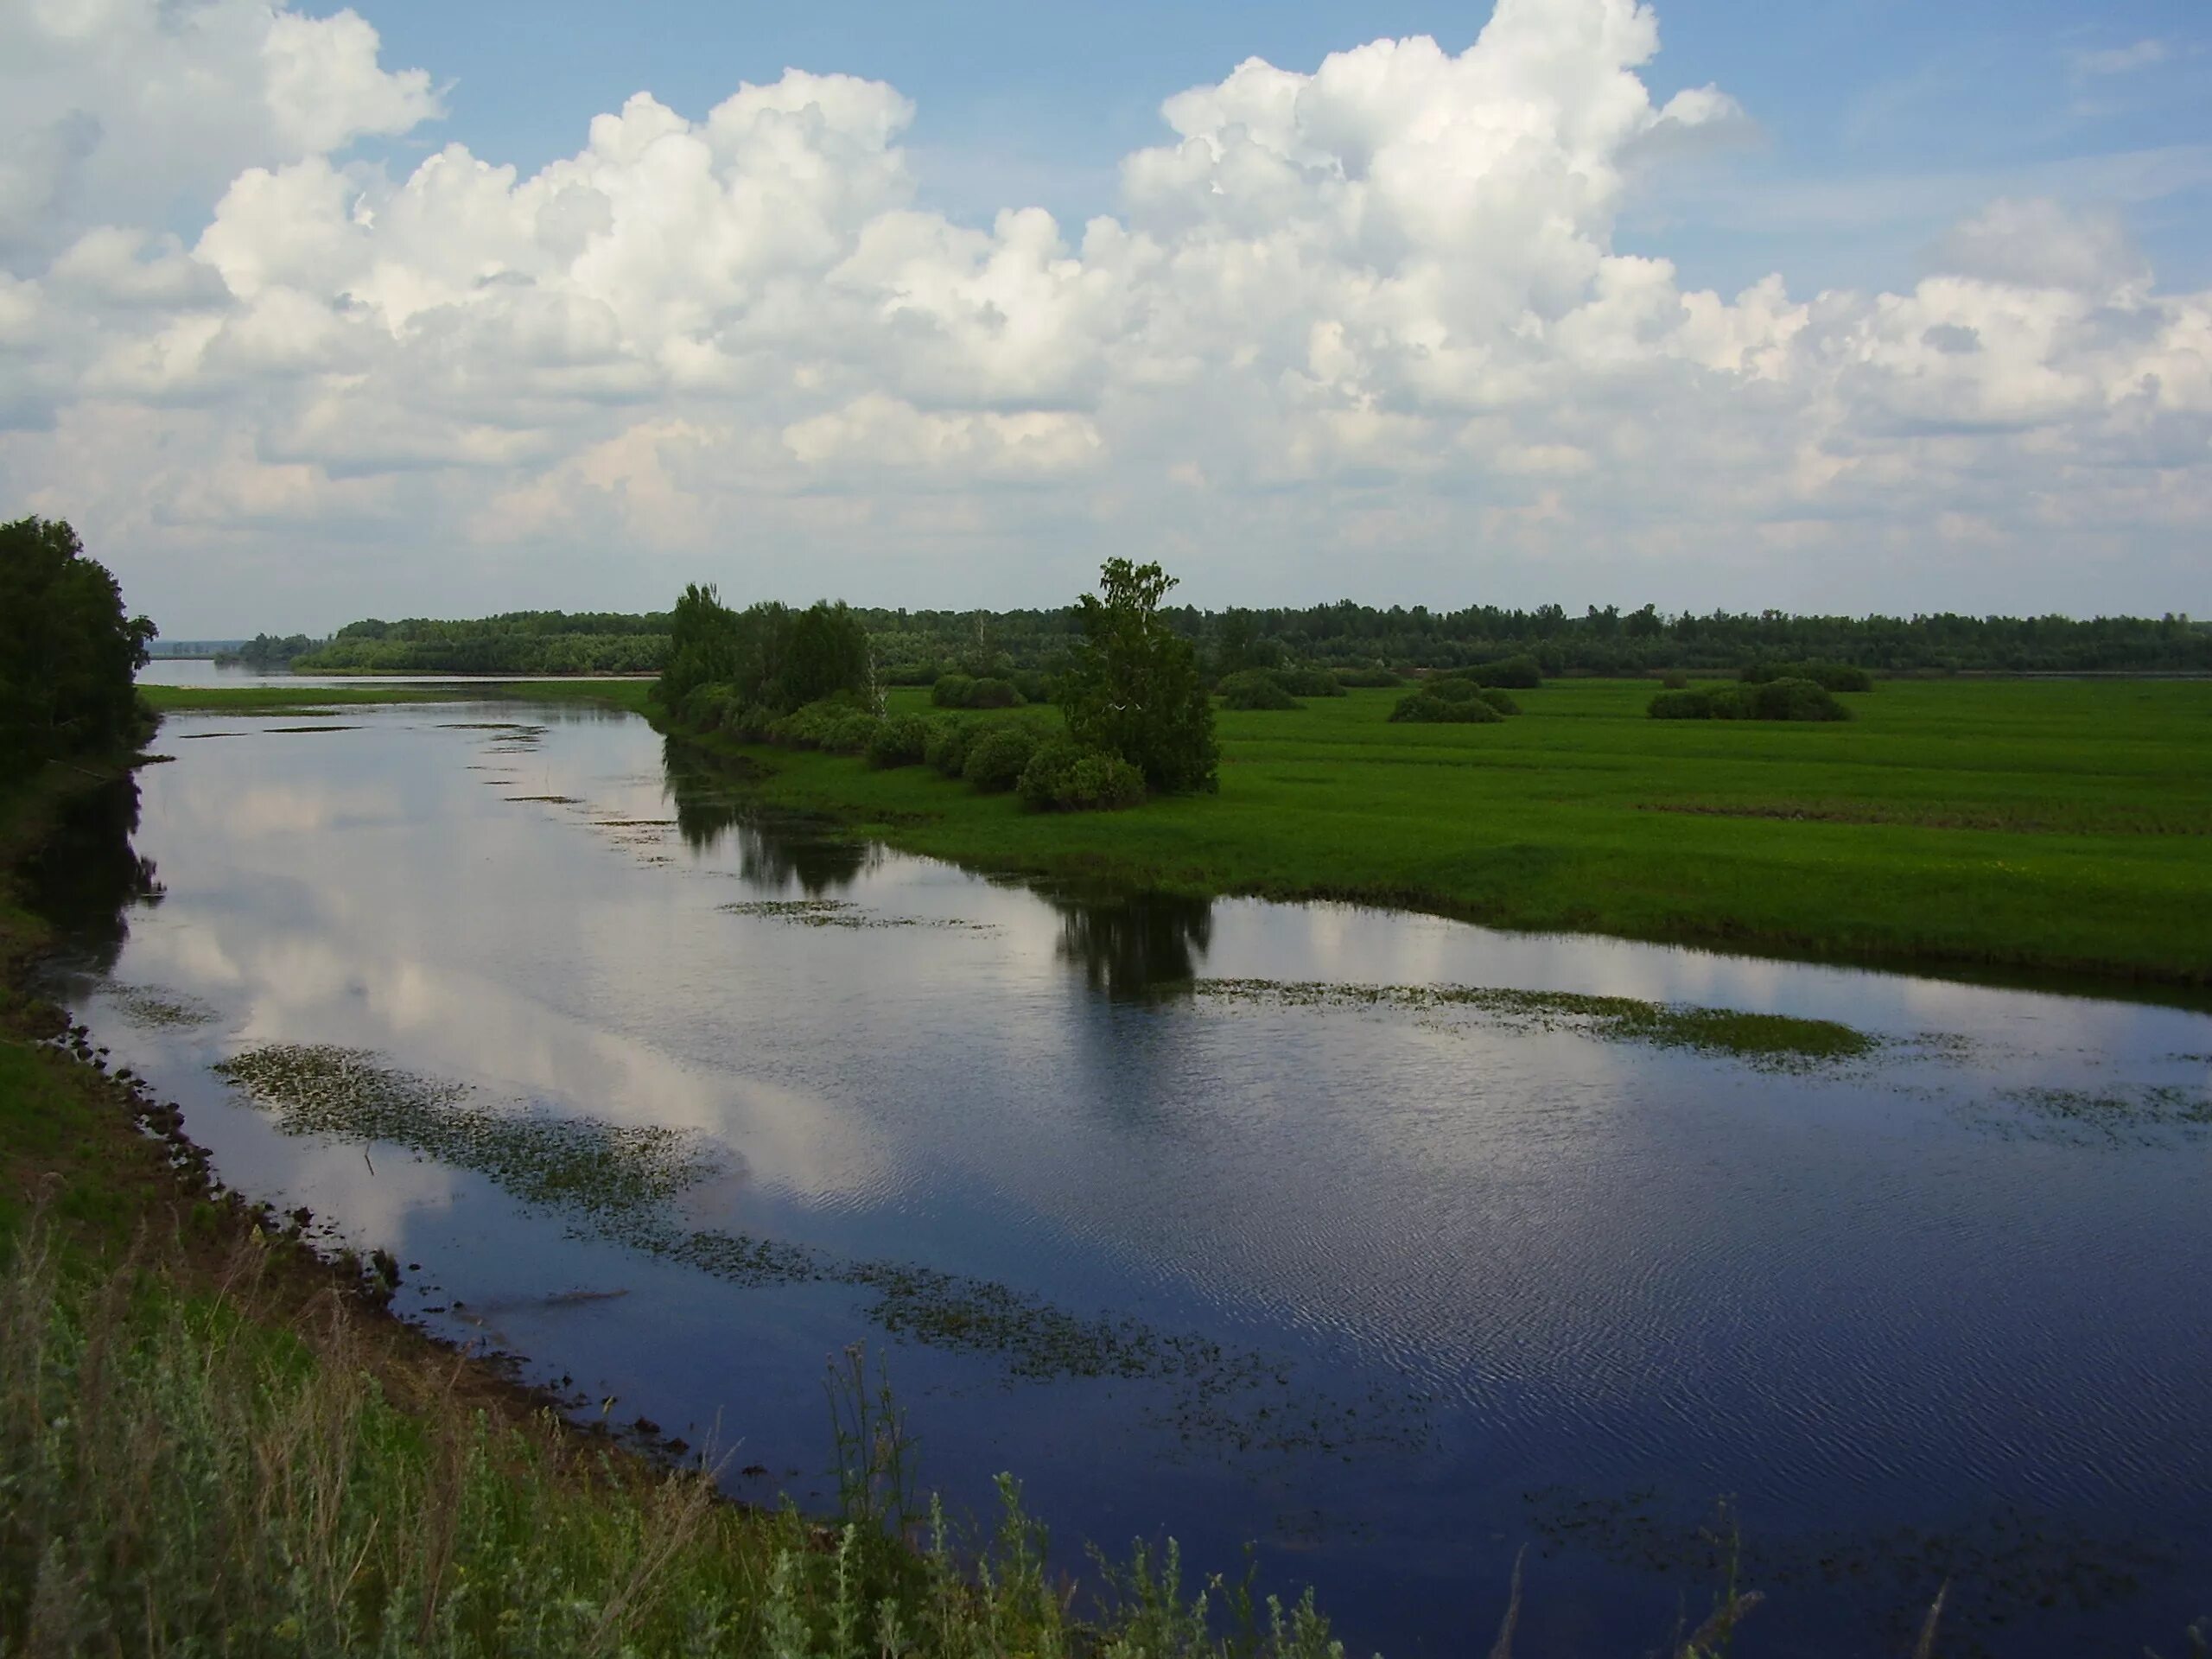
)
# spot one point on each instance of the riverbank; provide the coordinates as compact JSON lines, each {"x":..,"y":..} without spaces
{"x":2031,"y":827}
{"x":211,"y":1435}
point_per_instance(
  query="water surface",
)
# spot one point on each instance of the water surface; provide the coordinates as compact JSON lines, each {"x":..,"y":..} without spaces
{"x":1390,"y":1291}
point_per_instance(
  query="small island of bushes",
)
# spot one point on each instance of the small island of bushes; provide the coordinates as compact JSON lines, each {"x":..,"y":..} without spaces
{"x":1139,"y":718}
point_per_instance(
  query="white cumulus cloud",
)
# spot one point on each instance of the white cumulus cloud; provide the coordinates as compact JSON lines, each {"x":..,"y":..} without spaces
{"x":1363,"y":329}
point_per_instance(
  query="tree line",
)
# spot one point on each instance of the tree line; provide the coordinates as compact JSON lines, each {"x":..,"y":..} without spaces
{"x":515,"y":642}
{"x":917,"y":647}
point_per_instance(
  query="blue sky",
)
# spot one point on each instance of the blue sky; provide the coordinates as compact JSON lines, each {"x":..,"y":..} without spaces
{"x":1879,"y":123}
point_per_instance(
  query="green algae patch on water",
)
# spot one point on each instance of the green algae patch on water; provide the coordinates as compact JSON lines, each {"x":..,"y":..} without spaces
{"x":841,"y":912}
{"x":803,"y":913}
{"x":598,"y":1169}
{"x":2145,"y":1115}
{"x":144,"y":1005}
{"x":1776,"y":1041}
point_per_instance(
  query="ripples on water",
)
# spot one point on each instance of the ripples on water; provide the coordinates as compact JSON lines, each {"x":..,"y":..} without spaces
{"x":1464,"y":1284}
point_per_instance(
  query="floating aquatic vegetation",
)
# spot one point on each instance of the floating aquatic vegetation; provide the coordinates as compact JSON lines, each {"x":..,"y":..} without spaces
{"x":143,"y":1005}
{"x":296,"y":730}
{"x":838,"y":912}
{"x":515,"y":739}
{"x":487,"y":726}
{"x":573,"y":1163}
{"x":1220,"y":1396}
{"x":1774,"y":1041}
{"x":810,"y":912}
{"x":2142,"y":1114}
{"x":549,"y":800}
{"x":618,"y":1182}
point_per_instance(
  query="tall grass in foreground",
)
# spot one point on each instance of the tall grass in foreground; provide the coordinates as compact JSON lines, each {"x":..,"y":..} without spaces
{"x":180,"y":1476}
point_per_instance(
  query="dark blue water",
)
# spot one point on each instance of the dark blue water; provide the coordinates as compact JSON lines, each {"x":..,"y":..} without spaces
{"x":1418,"y":1289}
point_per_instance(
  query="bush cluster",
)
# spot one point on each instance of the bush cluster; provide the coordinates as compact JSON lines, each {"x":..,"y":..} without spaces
{"x":946,"y":745}
{"x":1050,"y":774}
{"x":1522,"y":673}
{"x":1773,"y":700}
{"x":997,"y":756}
{"x":964,"y":692}
{"x":830,"y":724}
{"x":1832,"y":676}
{"x":1426,"y":706}
{"x":1370,"y":678}
{"x":1255,"y":687}
{"x":902,"y":741}
{"x":1306,"y":681}
{"x":1063,"y":776}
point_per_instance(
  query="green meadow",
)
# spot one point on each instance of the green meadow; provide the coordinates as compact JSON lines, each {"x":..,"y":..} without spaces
{"x":2028,"y":826}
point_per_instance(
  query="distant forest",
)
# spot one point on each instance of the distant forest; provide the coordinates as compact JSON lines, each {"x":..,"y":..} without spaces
{"x":914,"y":647}
{"x":518,"y":642}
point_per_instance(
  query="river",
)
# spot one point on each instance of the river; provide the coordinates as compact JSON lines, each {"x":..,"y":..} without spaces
{"x":1141,"y":1200}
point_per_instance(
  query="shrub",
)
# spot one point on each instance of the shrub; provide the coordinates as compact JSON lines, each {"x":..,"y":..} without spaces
{"x":1497,"y":700}
{"x":749,"y":724}
{"x":850,"y":732}
{"x":946,"y":748}
{"x":708,"y":708}
{"x":1832,"y":677}
{"x":1424,"y":706}
{"x":1449,"y":688}
{"x":899,"y":741}
{"x":1065,"y":777}
{"x":962,"y":691}
{"x":993,"y":694}
{"x":1522,"y":673}
{"x":1034,"y":685}
{"x":1674,"y":680}
{"x":1682,"y":705}
{"x":1255,"y":687}
{"x":800,"y":729}
{"x":1307,"y":680}
{"x":1775,"y":700}
{"x":996,"y":758}
{"x":833,"y":723}
{"x":1790,"y":699}
{"x":1372,"y":678}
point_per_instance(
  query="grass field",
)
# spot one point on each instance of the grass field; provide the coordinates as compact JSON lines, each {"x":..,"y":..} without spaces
{"x":2040,"y":826}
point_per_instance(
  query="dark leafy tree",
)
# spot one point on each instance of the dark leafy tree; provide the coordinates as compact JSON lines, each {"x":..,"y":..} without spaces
{"x":1133,"y":689}
{"x":767,"y":658}
{"x":69,"y":656}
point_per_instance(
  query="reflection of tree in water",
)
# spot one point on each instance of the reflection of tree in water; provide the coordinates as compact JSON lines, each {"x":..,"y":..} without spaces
{"x":1138,"y":946}
{"x":712,"y":806}
{"x":87,"y":876}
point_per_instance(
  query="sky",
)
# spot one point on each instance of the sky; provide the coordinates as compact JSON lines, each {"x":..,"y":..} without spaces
{"x":424,"y":309}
